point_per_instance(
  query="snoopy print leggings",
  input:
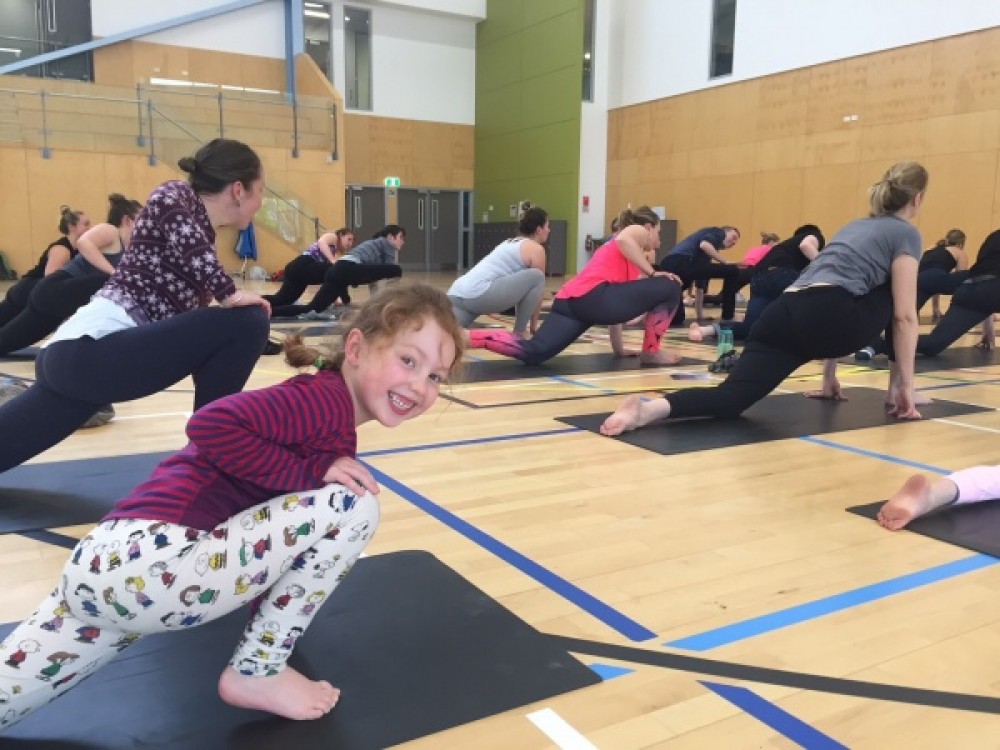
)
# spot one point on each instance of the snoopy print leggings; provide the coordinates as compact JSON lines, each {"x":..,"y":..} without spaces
{"x":129,"y":578}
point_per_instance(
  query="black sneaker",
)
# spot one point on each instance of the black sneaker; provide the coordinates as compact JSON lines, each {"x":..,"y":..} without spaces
{"x":864,"y":355}
{"x":272,"y":347}
{"x":725,"y":362}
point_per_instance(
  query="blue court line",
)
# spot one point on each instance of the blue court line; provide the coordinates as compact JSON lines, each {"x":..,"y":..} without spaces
{"x":873,"y":454}
{"x":784,"y":618}
{"x":579,"y":384}
{"x":575,"y":595}
{"x":609,"y":671}
{"x":777,"y":718}
{"x":471,"y":441}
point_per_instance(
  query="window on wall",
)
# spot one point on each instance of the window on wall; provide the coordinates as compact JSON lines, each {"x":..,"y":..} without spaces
{"x":723,"y":36}
{"x":588,"y":50}
{"x":357,"y":58}
{"x":316,"y":33}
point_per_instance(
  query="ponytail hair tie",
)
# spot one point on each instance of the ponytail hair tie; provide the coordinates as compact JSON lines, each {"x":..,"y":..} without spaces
{"x":319,"y":362}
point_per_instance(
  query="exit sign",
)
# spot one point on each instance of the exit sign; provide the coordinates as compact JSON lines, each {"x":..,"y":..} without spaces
{"x":391,"y":182}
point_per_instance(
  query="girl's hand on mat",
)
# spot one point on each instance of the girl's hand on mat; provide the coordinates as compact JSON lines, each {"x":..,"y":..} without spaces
{"x":353,"y":475}
{"x":987,"y":343}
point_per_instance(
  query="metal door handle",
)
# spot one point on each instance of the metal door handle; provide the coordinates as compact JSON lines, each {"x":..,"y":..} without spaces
{"x":420,"y":213}
{"x":50,"y":16}
{"x":357,"y":212}
{"x":434,"y":213}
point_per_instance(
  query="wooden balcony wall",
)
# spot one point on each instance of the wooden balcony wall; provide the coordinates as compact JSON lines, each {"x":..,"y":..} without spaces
{"x":95,"y":152}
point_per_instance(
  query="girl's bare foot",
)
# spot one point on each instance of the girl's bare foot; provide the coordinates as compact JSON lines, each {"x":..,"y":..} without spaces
{"x":912,"y":500}
{"x":288,"y":693}
{"x":659,"y":358}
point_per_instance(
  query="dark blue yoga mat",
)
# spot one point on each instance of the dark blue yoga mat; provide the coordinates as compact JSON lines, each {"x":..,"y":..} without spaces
{"x":67,"y":493}
{"x":415,"y":648}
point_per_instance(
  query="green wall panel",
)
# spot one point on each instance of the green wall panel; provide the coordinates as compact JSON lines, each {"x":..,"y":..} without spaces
{"x":529,"y":66}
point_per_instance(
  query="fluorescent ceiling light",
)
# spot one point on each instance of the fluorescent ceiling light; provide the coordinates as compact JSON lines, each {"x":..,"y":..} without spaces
{"x":315,"y":14}
{"x":315,"y":5}
{"x":12,"y":50}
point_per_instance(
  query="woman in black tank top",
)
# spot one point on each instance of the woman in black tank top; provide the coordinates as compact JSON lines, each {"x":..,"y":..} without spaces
{"x":942,"y":269}
{"x":976,"y":299}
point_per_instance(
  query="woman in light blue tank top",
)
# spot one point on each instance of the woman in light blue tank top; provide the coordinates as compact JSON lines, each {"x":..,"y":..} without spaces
{"x":511,"y":276}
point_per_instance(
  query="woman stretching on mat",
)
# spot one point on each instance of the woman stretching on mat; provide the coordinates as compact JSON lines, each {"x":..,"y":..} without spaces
{"x":512,"y":275}
{"x":371,"y":261}
{"x":311,"y":267}
{"x":773,"y":274}
{"x":919,"y":495}
{"x":212,"y":529}
{"x":72,"y":224}
{"x":618,"y":284}
{"x":942,"y":269}
{"x":975,"y":300}
{"x":62,"y":293}
{"x":150,"y":325}
{"x":867,"y":274}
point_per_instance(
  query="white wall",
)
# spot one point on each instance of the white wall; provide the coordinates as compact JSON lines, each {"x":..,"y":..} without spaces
{"x":594,"y":139}
{"x":423,"y":63}
{"x":256,"y":30}
{"x":662,"y":48}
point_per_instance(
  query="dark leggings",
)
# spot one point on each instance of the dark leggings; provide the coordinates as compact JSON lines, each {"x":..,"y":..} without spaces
{"x":822,"y":322}
{"x":694,"y":269}
{"x":217,"y":347}
{"x":338,"y":277}
{"x":766,"y":286}
{"x":930,"y":282}
{"x":299,"y":273}
{"x":971,"y":303}
{"x":53,"y":299}
{"x":16,"y":299}
{"x":606,"y":304}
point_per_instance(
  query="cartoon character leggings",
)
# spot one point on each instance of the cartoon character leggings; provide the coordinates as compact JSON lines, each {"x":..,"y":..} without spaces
{"x":130,"y":578}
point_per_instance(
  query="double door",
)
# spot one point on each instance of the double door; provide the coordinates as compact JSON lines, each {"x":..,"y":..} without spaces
{"x":432,"y":219}
{"x":365,"y":211}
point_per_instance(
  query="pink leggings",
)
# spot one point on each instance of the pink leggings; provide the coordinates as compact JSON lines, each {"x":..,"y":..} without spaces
{"x":977,"y":484}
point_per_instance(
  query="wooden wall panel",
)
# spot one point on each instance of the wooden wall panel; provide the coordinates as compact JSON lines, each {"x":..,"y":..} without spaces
{"x":16,"y":242}
{"x":784,"y":145}
{"x":836,"y":90}
{"x":781,"y":105}
{"x":777,"y":204}
{"x":961,"y":194}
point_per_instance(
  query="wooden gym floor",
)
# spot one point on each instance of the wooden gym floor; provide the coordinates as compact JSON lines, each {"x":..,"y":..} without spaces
{"x":748,"y":548}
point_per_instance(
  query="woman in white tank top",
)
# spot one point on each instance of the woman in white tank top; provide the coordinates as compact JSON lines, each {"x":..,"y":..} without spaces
{"x":512,"y":275}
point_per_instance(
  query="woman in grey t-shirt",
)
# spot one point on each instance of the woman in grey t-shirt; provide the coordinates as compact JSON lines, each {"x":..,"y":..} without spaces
{"x":866,"y":275}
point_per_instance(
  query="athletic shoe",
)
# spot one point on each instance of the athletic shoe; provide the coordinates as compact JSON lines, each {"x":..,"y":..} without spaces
{"x":100,"y":417}
{"x":272,"y":347}
{"x":864,"y":355}
{"x":725,"y":362}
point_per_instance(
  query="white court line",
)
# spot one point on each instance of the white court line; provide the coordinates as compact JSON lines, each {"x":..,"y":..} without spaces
{"x":968,"y":426}
{"x":556,"y":729}
{"x":185,"y":414}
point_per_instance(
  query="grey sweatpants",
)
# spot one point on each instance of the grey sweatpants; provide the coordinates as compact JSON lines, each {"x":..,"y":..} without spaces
{"x":521,"y":290}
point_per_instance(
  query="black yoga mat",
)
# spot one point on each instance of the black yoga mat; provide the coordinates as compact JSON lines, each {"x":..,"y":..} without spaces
{"x":414,"y":647}
{"x":28,"y":352}
{"x":779,"y":417}
{"x":66,"y":493}
{"x":562,"y":366}
{"x":975,"y":527}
